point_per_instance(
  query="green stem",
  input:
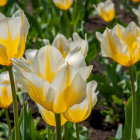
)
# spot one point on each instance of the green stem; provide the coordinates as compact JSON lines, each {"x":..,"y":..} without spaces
{"x":49,"y":135}
{"x":77,"y":131}
{"x":58,"y":126}
{"x":16,"y":121}
{"x":66,"y":132}
{"x":8,"y":122}
{"x":133,"y":126}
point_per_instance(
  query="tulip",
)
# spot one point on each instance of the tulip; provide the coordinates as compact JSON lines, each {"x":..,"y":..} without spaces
{"x":3,"y":3}
{"x":49,"y":117}
{"x":80,"y":112}
{"x":51,"y":81}
{"x":5,"y":90}
{"x":13,"y":32}
{"x":106,"y":10}
{"x":68,"y":46}
{"x":63,"y":4}
{"x":135,"y":0}
{"x":137,"y":13}
{"x":121,"y":44}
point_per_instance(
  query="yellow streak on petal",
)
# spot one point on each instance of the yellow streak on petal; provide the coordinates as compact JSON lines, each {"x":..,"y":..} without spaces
{"x":10,"y":44}
{"x":5,"y":99}
{"x":49,"y":74}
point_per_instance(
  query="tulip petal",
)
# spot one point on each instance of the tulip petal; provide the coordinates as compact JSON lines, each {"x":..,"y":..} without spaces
{"x":30,"y":54}
{"x":33,"y":84}
{"x":76,"y":58}
{"x":3,"y":56}
{"x":49,"y":117}
{"x":85,"y":71}
{"x":5,"y":96}
{"x":61,"y":43}
{"x":47,"y":62}
{"x":2,"y":17}
{"x":79,"y":42}
{"x":80,"y":112}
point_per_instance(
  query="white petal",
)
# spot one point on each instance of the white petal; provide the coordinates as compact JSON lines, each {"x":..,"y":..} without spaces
{"x":2,"y":17}
{"x":48,"y":62}
{"x":85,"y":71}
{"x":76,"y":58}
{"x":30,"y":54}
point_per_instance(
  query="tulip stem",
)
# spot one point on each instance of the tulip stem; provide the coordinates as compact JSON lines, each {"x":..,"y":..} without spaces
{"x":58,"y":126}
{"x":77,"y":131}
{"x":133,"y":126}
{"x":16,"y":121}
{"x":8,"y":122}
{"x":49,"y":136}
{"x":66,"y":132}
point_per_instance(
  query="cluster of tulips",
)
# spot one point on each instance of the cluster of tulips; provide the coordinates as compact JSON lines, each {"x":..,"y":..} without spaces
{"x":55,"y":76}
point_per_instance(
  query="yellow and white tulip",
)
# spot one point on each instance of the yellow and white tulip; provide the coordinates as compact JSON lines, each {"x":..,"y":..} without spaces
{"x":71,"y":49}
{"x":51,"y":81}
{"x":63,"y":4}
{"x":78,"y":112}
{"x":121,"y":44}
{"x":135,"y":0}
{"x":3,"y":3}
{"x":13,"y":32}
{"x":5,"y":90}
{"x":106,"y":10}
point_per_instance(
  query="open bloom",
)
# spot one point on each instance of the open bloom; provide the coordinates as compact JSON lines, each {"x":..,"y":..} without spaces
{"x":137,"y":13}
{"x":51,"y":81}
{"x":106,"y":10}
{"x":121,"y":44}
{"x":80,"y":112}
{"x":63,"y":4}
{"x":135,"y":0}
{"x":13,"y":32}
{"x":69,"y":46}
{"x":5,"y":90}
{"x":49,"y":116}
{"x":3,"y":2}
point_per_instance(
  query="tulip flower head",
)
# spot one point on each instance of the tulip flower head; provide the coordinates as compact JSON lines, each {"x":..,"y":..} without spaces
{"x":80,"y":112}
{"x":49,"y":116}
{"x":137,"y":13}
{"x":135,"y":0}
{"x":63,"y":4}
{"x":3,"y":3}
{"x":106,"y":10}
{"x":51,"y":81}
{"x":13,"y":32}
{"x":121,"y":44}
{"x":5,"y":90}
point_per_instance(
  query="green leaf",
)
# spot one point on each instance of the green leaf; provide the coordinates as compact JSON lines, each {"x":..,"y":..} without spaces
{"x":128,"y":113}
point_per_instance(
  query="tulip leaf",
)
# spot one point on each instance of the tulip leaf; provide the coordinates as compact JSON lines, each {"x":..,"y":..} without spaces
{"x":128,"y":113}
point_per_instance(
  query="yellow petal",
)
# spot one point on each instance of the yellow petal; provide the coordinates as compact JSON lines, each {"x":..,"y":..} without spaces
{"x":80,"y":112}
{"x":61,"y":43}
{"x":49,"y":117}
{"x":3,"y":2}
{"x":5,"y":90}
{"x":63,"y":4}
